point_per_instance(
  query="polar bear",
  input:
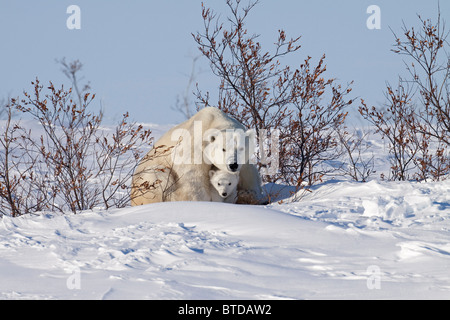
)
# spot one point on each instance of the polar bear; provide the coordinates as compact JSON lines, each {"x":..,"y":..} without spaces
{"x":177,"y":168}
{"x":224,"y":186}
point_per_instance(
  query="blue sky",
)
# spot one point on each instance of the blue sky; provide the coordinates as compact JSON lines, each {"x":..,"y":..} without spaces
{"x":138,"y":54}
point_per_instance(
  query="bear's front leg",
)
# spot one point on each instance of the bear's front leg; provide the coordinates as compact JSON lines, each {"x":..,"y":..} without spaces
{"x":192,"y":186}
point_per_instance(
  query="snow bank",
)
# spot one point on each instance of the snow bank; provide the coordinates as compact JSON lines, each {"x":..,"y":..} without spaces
{"x":344,"y":240}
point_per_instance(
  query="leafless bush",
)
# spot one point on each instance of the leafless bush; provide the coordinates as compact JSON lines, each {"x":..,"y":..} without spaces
{"x":429,"y":68}
{"x":66,"y":146}
{"x":300,"y":104}
{"x":183,"y":103}
{"x":71,"y":70}
{"x":358,"y":161}
{"x":416,"y":121}
{"x":117,"y":157}
{"x":74,"y":164}
{"x":392,"y":123}
{"x":4,"y":106}
{"x":14,"y":171}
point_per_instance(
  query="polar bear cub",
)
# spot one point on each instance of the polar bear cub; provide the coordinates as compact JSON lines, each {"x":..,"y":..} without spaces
{"x":224,"y":185}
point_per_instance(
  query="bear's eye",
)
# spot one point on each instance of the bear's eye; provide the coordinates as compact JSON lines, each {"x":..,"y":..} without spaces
{"x":218,"y":184}
{"x":223,"y":150}
{"x":229,"y":183}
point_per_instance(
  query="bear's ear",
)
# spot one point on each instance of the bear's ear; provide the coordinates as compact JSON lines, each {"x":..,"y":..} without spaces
{"x":211,"y":173}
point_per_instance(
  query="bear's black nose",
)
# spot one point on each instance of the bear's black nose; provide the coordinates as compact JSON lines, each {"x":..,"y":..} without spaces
{"x":224,"y":194}
{"x":233,"y":166}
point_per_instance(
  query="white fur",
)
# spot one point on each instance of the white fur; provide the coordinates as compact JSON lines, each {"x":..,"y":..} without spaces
{"x":194,"y":146}
{"x":224,"y":186}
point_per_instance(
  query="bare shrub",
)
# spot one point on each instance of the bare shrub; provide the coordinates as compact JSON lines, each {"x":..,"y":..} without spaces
{"x":117,"y":157}
{"x":416,"y":121}
{"x":65,"y":148}
{"x":359,"y":160}
{"x":427,"y":51}
{"x":5,"y":110}
{"x":183,"y":102}
{"x":13,"y":171}
{"x":75,"y":164}
{"x":393,"y":124}
{"x":300,"y":104}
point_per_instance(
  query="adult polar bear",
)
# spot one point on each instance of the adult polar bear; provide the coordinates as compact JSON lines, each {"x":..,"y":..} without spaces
{"x":177,"y":168}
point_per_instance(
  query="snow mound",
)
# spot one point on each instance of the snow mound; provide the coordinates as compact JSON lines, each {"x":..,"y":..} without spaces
{"x":344,"y":240}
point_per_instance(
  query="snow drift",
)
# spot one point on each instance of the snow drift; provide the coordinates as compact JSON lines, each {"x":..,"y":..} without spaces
{"x":345,"y":240}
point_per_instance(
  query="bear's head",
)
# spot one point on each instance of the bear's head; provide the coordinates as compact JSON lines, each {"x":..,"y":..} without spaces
{"x":228,"y":149}
{"x":224,"y":182}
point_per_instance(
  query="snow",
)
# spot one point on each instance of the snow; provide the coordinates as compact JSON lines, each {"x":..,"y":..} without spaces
{"x":343,"y":240}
